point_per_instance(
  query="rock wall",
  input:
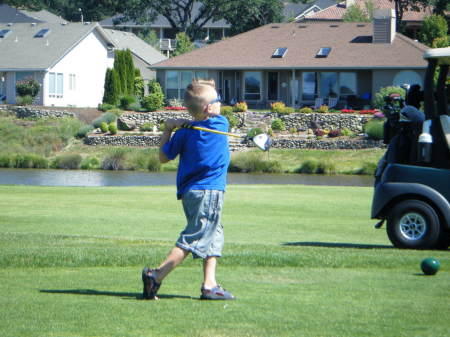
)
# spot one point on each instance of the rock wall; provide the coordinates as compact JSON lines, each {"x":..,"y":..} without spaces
{"x":33,"y":112}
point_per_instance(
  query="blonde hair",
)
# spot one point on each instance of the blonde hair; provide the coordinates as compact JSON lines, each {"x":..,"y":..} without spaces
{"x":195,"y":95}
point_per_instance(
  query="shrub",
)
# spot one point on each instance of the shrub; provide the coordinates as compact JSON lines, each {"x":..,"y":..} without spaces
{"x":104,"y":127}
{"x":278,"y":125}
{"x":90,"y":163}
{"x":319,"y":132}
{"x":154,"y":165}
{"x":24,"y":100}
{"x":386,"y":91}
{"x":305,"y":110}
{"x":175,"y":103}
{"x":374,"y":129}
{"x":115,"y":160}
{"x":253,"y":162}
{"x":135,"y":106}
{"x":152,"y":102}
{"x":323,"y":109}
{"x":309,"y":166}
{"x":67,"y":162}
{"x":112,"y":127}
{"x":27,"y":87}
{"x":83,"y":131}
{"x":107,"y":117}
{"x":147,"y":127}
{"x":325,"y":167}
{"x":162,"y":126}
{"x":277,"y":107}
{"x":292,"y":130}
{"x":226,"y":109}
{"x":253,"y":132}
{"x":240,"y":107}
{"x":288,"y":110}
{"x":367,"y":169}
{"x":105,"y":107}
{"x":111,"y":87}
{"x":334,"y":133}
{"x":23,"y":160}
{"x":347,"y":132}
{"x":139,"y":85}
{"x":126,"y":101}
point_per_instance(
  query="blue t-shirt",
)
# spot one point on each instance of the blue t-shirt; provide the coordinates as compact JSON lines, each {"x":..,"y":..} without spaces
{"x":204,"y":156}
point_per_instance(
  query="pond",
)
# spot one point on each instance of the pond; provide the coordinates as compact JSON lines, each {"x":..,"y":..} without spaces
{"x":131,"y":178}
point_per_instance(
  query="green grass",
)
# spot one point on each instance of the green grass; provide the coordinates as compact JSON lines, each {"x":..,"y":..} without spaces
{"x":302,"y":260}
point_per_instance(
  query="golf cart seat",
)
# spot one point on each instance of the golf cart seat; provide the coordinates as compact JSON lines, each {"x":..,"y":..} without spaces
{"x":445,"y":123}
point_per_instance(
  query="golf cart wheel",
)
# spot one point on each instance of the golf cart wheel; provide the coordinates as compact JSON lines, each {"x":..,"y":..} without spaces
{"x":413,"y":224}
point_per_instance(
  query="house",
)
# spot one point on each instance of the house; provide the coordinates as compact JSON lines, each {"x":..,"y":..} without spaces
{"x":10,"y":14}
{"x":68,"y":60}
{"x":212,"y":30}
{"x":298,"y":11}
{"x":412,"y":20}
{"x":299,"y":62}
{"x":144,"y":55}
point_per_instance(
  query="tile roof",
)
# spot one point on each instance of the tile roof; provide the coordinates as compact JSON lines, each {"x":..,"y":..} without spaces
{"x":20,"y":50}
{"x":138,"y":47}
{"x":337,"y":11}
{"x":295,"y":9}
{"x":350,"y":42}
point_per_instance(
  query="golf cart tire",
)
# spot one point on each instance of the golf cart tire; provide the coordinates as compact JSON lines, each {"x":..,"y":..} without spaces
{"x":414,"y":224}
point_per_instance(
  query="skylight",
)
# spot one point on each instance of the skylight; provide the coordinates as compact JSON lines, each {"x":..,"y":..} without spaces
{"x":323,"y":52}
{"x":279,"y":52}
{"x":42,"y":32}
{"x":4,"y":33}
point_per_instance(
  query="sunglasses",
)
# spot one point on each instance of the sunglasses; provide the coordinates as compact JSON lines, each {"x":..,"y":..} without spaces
{"x":218,"y":99}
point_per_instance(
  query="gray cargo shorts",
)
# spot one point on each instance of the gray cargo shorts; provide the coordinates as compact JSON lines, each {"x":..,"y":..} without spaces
{"x":203,"y":235}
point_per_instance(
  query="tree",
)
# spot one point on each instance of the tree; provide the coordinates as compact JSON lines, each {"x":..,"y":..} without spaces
{"x":433,"y":27}
{"x":111,"y":94}
{"x":241,"y":14}
{"x":413,"y":5}
{"x":184,"y":44}
{"x":129,"y":72}
{"x":120,"y":67}
{"x":357,"y":14}
{"x":150,"y":36}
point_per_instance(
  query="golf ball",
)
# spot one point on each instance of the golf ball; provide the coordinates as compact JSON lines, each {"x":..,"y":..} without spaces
{"x":430,"y":266}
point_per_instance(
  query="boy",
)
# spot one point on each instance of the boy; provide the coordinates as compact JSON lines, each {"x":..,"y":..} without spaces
{"x":201,"y":181}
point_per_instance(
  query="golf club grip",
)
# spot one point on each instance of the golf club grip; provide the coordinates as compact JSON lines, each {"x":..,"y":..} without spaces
{"x":213,"y":131}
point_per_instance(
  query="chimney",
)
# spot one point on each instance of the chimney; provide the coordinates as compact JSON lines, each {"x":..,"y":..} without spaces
{"x":383,"y":25}
{"x":349,"y":3}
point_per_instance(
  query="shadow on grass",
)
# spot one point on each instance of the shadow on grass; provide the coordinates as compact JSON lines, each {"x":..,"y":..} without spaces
{"x":336,"y":245}
{"x":94,"y":292}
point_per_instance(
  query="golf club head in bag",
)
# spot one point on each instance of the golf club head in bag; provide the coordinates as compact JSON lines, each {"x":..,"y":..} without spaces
{"x":262,"y":141}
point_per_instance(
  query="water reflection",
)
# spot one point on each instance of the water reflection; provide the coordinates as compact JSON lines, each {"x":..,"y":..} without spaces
{"x":130,"y":178}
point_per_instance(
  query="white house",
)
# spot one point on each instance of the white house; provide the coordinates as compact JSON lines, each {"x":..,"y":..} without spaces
{"x":69,"y":60}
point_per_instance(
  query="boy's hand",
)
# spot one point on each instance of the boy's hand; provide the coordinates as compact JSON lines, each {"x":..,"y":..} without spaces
{"x":175,"y":123}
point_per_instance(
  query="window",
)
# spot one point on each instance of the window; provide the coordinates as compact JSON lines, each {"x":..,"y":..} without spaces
{"x":347,"y":83}
{"x":309,"y":85}
{"x":43,"y":32}
{"x":279,"y":52}
{"x":323,"y":52}
{"x":72,"y":82}
{"x":177,"y":81}
{"x":252,"y":85}
{"x":186,"y":78}
{"x":55,"y":85}
{"x":172,"y":84}
{"x":407,"y":77}
{"x":272,"y":86}
{"x":4,"y":33}
{"x":328,"y":84}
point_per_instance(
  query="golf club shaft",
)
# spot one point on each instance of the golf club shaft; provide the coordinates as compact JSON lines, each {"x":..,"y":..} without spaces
{"x":214,"y":131}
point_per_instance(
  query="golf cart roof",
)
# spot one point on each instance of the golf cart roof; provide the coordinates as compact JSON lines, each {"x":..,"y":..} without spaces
{"x":442,"y":54}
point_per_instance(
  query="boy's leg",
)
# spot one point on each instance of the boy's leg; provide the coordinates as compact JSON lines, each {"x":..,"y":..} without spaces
{"x":175,"y":257}
{"x":209,"y":272}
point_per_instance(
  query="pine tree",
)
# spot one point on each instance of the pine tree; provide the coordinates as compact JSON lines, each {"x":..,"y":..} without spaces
{"x":129,"y":66}
{"x":120,"y":68}
{"x":111,"y":95}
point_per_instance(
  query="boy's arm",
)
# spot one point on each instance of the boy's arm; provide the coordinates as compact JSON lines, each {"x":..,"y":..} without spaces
{"x":165,"y":137}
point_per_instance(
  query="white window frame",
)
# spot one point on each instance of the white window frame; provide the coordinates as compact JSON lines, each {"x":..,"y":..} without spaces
{"x":58,"y":85}
{"x":72,"y":82}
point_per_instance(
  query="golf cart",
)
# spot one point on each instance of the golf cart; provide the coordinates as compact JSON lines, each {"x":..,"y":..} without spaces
{"x":412,"y":185}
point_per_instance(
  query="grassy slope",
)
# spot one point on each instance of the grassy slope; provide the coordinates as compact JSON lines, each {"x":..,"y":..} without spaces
{"x":303,"y":261}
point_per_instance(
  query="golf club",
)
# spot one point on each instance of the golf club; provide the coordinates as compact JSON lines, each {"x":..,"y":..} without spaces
{"x":262,"y":140}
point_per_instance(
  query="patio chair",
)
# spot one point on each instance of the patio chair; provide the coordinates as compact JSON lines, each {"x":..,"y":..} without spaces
{"x":318,"y":103}
{"x":332,"y":102}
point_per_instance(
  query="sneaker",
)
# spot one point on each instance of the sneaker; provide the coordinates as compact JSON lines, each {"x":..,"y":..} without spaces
{"x":151,"y":287}
{"x":216,"y":293}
